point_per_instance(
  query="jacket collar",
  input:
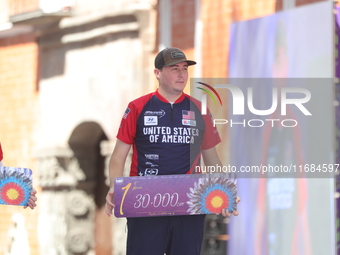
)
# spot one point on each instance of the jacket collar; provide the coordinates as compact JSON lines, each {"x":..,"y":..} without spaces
{"x":163,"y":99}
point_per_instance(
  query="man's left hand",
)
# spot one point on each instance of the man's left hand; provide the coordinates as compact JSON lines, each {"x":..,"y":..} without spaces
{"x":32,"y":200}
{"x":226,"y":213}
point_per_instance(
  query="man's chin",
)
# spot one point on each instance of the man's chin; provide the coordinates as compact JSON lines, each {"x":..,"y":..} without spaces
{"x":179,"y":88}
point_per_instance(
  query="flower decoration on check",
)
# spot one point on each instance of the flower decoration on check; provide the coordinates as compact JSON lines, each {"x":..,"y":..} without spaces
{"x":15,"y":186}
{"x":212,"y":194}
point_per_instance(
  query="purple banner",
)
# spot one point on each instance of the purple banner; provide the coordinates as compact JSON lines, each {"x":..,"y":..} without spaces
{"x":169,"y":195}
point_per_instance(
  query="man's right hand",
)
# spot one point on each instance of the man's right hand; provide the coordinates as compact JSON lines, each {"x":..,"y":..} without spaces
{"x":109,"y":204}
{"x":116,"y":169}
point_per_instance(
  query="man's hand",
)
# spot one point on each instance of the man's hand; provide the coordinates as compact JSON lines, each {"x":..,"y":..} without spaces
{"x":225,"y":212}
{"x":116,"y":169}
{"x":31,"y":201}
{"x":109,"y":204}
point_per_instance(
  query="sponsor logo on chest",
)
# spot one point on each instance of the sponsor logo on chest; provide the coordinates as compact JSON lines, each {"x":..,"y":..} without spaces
{"x":189,"y":122}
{"x":151,"y":171}
{"x":152,"y":156}
{"x":159,"y":113}
{"x":150,"y":120}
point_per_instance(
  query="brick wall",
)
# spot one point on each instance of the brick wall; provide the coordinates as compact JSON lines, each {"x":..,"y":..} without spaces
{"x":18,"y":69}
{"x":303,"y":2}
{"x":183,"y":24}
{"x":21,"y":6}
{"x":217,"y":17}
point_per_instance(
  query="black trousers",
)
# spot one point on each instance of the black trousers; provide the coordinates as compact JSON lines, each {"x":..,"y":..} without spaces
{"x":171,"y":235}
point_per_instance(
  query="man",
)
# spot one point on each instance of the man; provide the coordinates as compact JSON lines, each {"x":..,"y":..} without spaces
{"x":33,"y":199}
{"x":167,"y":130}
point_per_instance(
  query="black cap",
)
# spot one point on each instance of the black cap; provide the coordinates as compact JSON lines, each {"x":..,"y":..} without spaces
{"x":171,"y":56}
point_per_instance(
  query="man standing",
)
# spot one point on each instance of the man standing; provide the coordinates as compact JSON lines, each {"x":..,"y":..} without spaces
{"x":166,"y":130}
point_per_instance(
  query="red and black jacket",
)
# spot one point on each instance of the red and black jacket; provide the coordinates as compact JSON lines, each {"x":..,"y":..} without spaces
{"x":167,"y":138}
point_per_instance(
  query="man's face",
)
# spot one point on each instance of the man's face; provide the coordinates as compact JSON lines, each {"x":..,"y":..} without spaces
{"x":173,"y":78}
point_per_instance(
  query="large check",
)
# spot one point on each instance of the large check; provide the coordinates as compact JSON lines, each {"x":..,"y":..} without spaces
{"x":167,"y":195}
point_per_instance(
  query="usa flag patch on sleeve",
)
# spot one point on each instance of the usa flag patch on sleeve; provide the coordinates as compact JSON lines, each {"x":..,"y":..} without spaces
{"x":126,"y":113}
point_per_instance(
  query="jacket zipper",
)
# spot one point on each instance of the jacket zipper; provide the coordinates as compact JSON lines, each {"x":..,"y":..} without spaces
{"x":171,"y":112}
